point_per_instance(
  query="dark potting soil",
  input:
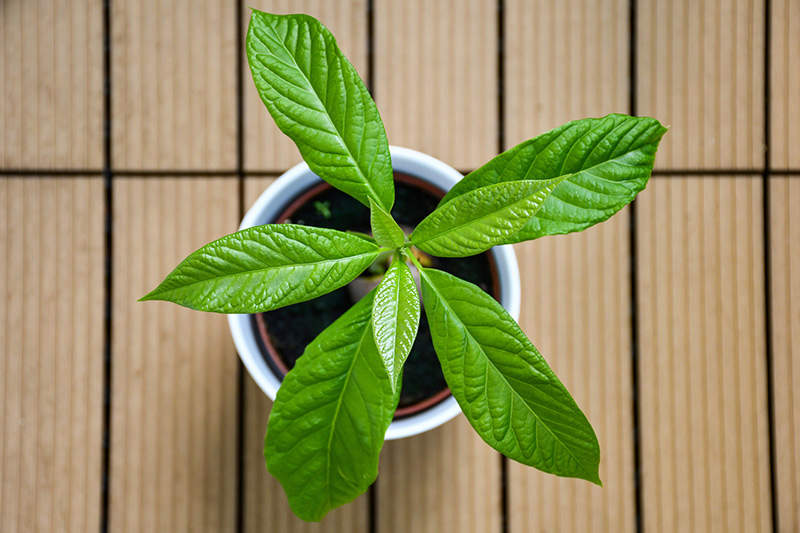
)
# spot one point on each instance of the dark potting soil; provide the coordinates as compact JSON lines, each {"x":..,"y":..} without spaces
{"x":291,"y":328}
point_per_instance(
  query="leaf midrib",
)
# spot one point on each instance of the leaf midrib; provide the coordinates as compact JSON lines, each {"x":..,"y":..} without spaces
{"x":336,"y":415}
{"x":313,"y":91}
{"x":457,"y":227}
{"x":490,"y":362}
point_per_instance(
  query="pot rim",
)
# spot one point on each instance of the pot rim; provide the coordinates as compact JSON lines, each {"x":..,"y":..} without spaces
{"x":299,"y":178}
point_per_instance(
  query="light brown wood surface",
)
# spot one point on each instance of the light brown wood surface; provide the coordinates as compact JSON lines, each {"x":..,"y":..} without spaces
{"x":173,"y":69}
{"x":265,"y":506}
{"x":785,"y":85}
{"x":548,"y":84}
{"x":51,"y":84}
{"x":265,"y":146}
{"x":436,"y":77}
{"x":700,"y":70}
{"x":705,"y":439}
{"x":51,"y":353}
{"x":174,"y":383}
{"x":785,"y":253}
{"x":576,"y":310}
{"x":174,"y":392}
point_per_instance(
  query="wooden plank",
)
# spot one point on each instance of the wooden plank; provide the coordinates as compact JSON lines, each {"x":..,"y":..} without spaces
{"x":436,"y":77}
{"x":265,"y":505}
{"x":705,"y":440}
{"x":785,"y":250}
{"x":51,"y":84}
{"x":550,"y":79}
{"x":174,"y":383}
{"x":51,"y":353}
{"x":266,"y":148}
{"x":446,"y":480}
{"x":700,"y":70}
{"x":590,"y":295}
{"x":174,"y":84}
{"x":576,"y":309}
{"x":785,"y":84}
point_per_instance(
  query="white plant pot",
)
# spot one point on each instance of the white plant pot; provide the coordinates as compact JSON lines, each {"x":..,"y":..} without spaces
{"x":297,"y":180}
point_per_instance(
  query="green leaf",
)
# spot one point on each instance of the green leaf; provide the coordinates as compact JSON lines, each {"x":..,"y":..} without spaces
{"x":481,"y":218}
{"x":331,"y":413}
{"x":606,"y":161}
{"x":504,"y":386}
{"x":395,"y":318}
{"x":384,"y":228}
{"x":317,"y":98}
{"x":266,"y":267}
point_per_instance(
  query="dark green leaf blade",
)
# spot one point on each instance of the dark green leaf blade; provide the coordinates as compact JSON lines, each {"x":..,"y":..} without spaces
{"x":266,"y":267}
{"x":331,"y":413}
{"x":395,"y":318}
{"x":504,"y":386}
{"x":481,"y":218}
{"x":607,"y":162}
{"x":384,"y":228}
{"x":317,"y":98}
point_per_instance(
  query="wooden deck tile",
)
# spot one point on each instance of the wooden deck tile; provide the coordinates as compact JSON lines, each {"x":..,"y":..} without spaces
{"x":51,"y":84}
{"x":174,"y":384}
{"x":705,"y":440}
{"x":576,"y":309}
{"x":173,"y":85}
{"x":785,"y":253}
{"x":700,"y":70}
{"x":436,"y":77}
{"x":51,"y":353}
{"x":785,"y":84}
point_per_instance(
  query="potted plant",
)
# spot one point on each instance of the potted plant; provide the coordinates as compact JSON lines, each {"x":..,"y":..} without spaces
{"x":334,"y":407}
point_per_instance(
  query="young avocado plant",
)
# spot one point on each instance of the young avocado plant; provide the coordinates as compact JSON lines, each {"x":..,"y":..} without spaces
{"x":328,"y":422}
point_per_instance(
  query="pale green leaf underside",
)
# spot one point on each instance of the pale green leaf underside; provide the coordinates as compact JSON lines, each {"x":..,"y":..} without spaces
{"x":317,"y":98}
{"x":331,"y":413}
{"x":606,"y":161}
{"x":385,"y":230}
{"x":265,"y":267}
{"x":395,"y":318}
{"x":481,"y":218}
{"x":504,"y":386}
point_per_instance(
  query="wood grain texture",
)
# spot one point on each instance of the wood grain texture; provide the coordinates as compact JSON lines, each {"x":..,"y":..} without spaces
{"x":436,"y":77}
{"x":173,"y":72}
{"x":266,"y":148}
{"x":51,"y":84}
{"x":51,"y":353}
{"x":700,"y":67}
{"x":446,"y":480}
{"x":265,"y":506}
{"x":785,"y":84}
{"x":705,"y":440}
{"x":785,"y":253}
{"x":565,"y":60}
{"x":174,"y":383}
{"x":576,"y":309}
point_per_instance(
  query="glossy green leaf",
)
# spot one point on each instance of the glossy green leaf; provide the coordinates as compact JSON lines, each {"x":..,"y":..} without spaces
{"x":606,"y":162}
{"x":395,"y":318}
{"x":504,"y":386}
{"x":331,"y":413}
{"x":385,"y":230}
{"x":266,"y":267}
{"x":316,"y":98}
{"x":481,"y":218}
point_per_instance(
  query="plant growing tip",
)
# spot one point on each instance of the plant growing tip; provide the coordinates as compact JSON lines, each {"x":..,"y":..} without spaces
{"x":562,"y":181}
